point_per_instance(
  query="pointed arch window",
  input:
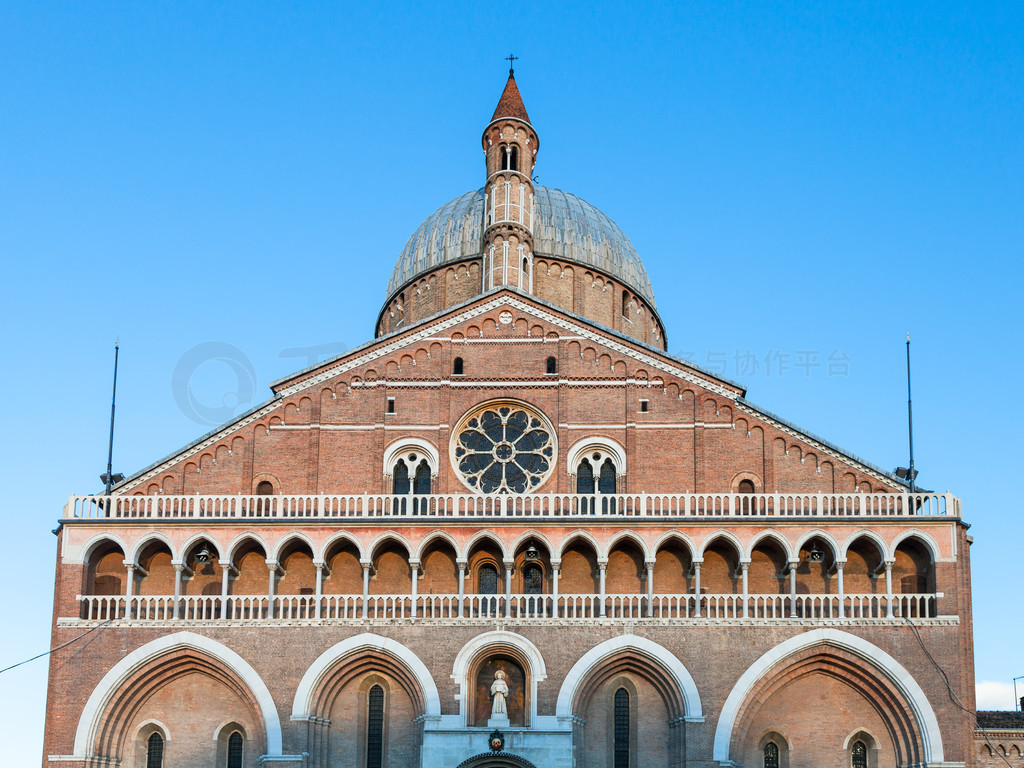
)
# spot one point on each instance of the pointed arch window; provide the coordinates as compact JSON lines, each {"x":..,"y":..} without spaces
{"x":585,"y":477}
{"x":621,"y":746}
{"x":400,"y":485}
{"x":771,"y":755}
{"x":235,"y":750}
{"x":375,"y":728}
{"x":859,"y":755}
{"x":155,"y":751}
{"x":606,"y":483}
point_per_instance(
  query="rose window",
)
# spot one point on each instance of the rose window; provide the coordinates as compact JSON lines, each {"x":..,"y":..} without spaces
{"x":504,"y":449}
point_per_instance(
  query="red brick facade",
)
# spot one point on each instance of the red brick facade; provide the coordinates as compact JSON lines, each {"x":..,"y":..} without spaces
{"x":739,"y":587}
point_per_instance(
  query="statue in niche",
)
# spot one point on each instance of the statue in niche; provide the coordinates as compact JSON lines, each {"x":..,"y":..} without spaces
{"x":499,"y":693}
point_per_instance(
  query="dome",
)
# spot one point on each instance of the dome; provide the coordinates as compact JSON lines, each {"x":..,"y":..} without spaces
{"x":566,"y":227}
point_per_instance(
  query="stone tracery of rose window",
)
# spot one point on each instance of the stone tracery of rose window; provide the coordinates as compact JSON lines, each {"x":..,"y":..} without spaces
{"x":504,"y":448}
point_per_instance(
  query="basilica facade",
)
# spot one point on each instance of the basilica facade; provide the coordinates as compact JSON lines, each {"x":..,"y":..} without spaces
{"x":512,"y":530}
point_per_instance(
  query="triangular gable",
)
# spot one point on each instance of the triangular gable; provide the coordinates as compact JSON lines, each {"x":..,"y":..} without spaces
{"x":430,"y":329}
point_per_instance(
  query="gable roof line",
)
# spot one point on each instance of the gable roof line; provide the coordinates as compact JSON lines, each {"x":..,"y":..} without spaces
{"x":825,"y":446}
{"x":427,"y":328}
{"x":554,"y":307}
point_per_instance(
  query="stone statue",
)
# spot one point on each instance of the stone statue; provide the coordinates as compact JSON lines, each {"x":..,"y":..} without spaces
{"x":499,"y":693}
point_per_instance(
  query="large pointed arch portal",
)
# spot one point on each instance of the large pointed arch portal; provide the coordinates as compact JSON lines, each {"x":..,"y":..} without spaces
{"x":910,"y":715}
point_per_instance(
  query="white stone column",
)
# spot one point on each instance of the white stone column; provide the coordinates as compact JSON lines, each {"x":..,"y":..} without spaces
{"x":462,"y":586}
{"x":508,"y":588}
{"x":888,"y":589}
{"x":318,"y":594}
{"x":225,"y":583}
{"x":366,"y":587}
{"x":840,"y":590}
{"x":744,"y":567}
{"x":602,"y":569}
{"x":129,"y":588}
{"x":556,"y":567}
{"x":414,"y":566}
{"x":792,"y":587}
{"x":179,"y":567}
{"x":272,"y":568}
{"x":650,"y":587}
{"x":696,"y":588}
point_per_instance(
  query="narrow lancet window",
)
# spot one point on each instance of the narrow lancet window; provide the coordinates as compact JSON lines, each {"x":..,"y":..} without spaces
{"x":235,"y":750}
{"x":375,"y":729}
{"x":155,"y":751}
{"x":621,"y":748}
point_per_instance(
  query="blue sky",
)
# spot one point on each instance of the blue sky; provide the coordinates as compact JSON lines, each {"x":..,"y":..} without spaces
{"x":805,"y":182}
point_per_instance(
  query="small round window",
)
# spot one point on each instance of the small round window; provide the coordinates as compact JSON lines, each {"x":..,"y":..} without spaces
{"x":504,"y":448}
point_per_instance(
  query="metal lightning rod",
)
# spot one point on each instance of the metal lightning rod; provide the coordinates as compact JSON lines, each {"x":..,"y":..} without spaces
{"x":108,"y":478}
{"x":910,"y":421}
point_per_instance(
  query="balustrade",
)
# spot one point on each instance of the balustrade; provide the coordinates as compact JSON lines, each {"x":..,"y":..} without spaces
{"x":516,"y":607}
{"x":370,"y":506}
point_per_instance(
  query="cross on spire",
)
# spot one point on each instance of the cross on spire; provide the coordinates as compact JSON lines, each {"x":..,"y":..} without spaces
{"x":511,"y":59}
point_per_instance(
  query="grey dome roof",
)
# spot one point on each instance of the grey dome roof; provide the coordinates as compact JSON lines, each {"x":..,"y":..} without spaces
{"x":565,"y":227}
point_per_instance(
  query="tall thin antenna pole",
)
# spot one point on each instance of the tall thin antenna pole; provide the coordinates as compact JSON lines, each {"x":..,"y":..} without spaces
{"x":910,"y":420}
{"x":108,"y":478}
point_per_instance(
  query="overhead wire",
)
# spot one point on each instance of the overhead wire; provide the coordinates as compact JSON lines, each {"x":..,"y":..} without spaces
{"x":56,"y":648}
{"x":952,"y":694}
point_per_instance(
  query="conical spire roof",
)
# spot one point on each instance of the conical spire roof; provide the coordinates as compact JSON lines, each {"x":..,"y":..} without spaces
{"x":511,"y":103}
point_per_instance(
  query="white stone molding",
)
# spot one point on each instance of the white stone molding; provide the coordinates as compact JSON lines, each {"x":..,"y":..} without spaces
{"x":927,"y":540}
{"x":828,"y":538}
{"x":773,"y":535}
{"x":489,"y":535}
{"x":367,"y":641}
{"x":534,"y":535}
{"x":494,"y":641}
{"x":579,"y":533}
{"x":286,"y":539}
{"x":883,"y":548}
{"x":232,"y":548}
{"x":433,"y":536}
{"x":99,"y":700}
{"x":136,"y":550}
{"x":230,"y":724}
{"x":679,"y":536}
{"x":729,"y":536}
{"x":201,"y":536}
{"x":85,"y":552}
{"x":165,"y":732}
{"x":341,"y":536}
{"x":694,"y":711}
{"x":371,"y":550}
{"x":869,"y":653}
{"x":629,"y":535}
{"x":605,"y":446}
{"x":402,"y":448}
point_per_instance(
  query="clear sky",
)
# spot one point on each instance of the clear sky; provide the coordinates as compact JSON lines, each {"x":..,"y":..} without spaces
{"x":805,"y":182}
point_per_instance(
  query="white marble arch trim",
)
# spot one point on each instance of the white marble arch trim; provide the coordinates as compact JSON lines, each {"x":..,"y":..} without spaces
{"x":588,"y":661}
{"x":871,"y":654}
{"x":601,"y":443}
{"x":369,"y":642}
{"x":101,"y":694}
{"x":408,"y":444}
{"x":480,"y":644}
